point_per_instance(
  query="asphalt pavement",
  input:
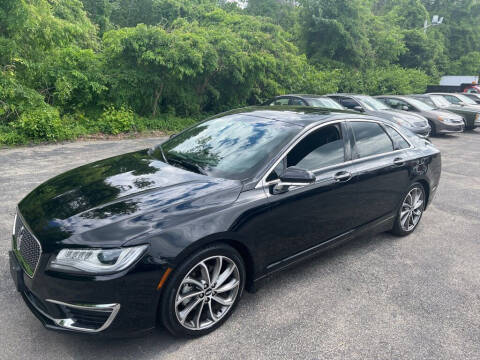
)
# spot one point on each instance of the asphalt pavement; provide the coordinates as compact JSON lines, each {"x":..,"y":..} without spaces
{"x":379,"y":297}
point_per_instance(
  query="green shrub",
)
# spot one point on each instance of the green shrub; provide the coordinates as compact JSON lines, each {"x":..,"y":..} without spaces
{"x":115,"y":121}
{"x":164,"y":122}
{"x":9,"y":136}
{"x":42,"y":124}
{"x":384,"y":80}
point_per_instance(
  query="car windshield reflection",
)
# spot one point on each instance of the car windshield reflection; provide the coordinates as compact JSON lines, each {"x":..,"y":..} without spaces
{"x":232,"y":147}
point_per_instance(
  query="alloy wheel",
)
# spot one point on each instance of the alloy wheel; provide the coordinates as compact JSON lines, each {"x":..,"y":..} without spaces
{"x":412,"y":209}
{"x":207,"y":292}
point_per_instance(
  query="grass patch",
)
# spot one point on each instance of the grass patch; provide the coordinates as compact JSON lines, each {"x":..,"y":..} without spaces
{"x":116,"y":123}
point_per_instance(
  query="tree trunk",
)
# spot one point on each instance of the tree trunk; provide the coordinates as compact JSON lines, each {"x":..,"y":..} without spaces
{"x":157,"y":95}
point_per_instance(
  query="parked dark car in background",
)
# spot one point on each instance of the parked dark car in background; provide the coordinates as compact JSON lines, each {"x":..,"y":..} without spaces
{"x":470,"y":114}
{"x":371,"y":106}
{"x":441,"y":121}
{"x":304,"y":100}
{"x":177,"y":232}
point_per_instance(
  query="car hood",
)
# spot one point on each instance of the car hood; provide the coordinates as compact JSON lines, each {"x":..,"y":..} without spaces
{"x":473,"y":109}
{"x":111,"y":200}
{"x":413,"y":119}
{"x":445,"y":114}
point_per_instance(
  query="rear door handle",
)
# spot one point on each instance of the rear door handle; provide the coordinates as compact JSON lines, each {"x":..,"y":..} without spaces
{"x":399,"y":161}
{"x":342,"y":176}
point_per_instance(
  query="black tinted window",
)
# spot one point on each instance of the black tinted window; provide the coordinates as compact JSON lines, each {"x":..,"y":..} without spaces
{"x":296,"y":102}
{"x":370,"y":139}
{"x":348,"y":103}
{"x":398,"y":141}
{"x":283,"y":101}
{"x":319,"y":149}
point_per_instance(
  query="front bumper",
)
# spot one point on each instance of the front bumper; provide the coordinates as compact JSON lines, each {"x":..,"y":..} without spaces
{"x":118,"y":305}
{"x":423,"y":132}
{"x":444,"y":128}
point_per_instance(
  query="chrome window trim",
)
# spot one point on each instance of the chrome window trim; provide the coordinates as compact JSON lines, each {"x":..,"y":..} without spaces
{"x":14,"y":223}
{"x":19,"y":215}
{"x":262,"y":183}
{"x":68,"y":322}
{"x":394,"y":127}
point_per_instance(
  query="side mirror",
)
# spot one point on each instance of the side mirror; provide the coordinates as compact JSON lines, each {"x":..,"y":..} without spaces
{"x":404,"y":108}
{"x":293,"y":176}
{"x":172,"y":136}
{"x":358,"y":108}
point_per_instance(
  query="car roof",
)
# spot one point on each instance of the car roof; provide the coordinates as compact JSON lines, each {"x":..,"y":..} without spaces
{"x":392,"y":96}
{"x":302,"y":96}
{"x":442,"y":93}
{"x":346,"y":94}
{"x":299,"y":115}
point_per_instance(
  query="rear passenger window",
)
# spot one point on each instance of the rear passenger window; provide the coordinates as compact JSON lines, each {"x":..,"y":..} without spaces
{"x":370,"y":139}
{"x":399,"y":142}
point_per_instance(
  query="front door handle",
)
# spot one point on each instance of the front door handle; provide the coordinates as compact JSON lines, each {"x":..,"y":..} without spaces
{"x":342,"y":176}
{"x":399,"y":161}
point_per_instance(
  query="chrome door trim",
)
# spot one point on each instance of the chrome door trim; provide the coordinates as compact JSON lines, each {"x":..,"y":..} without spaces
{"x":262,"y":183}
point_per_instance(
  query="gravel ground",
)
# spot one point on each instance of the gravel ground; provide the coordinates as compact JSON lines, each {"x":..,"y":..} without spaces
{"x":380,"y":297}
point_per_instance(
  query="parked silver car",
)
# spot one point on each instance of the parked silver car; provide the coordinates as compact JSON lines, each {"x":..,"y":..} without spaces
{"x":441,"y":121}
{"x":371,"y":106}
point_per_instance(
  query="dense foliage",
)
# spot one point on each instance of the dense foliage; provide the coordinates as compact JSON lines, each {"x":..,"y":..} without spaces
{"x":73,"y":67}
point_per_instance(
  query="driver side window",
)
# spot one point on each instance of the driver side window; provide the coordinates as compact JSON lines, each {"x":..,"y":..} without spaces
{"x":320,"y":149}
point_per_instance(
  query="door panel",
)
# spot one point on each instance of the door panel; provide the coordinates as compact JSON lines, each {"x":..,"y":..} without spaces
{"x":304,"y":216}
{"x":380,"y":185}
{"x":382,"y":173}
{"x":308,"y":215}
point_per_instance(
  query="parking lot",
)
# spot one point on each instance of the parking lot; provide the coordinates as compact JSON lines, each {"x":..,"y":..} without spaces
{"x":380,"y":297}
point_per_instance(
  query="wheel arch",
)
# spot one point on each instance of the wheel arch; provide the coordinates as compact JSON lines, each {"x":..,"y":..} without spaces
{"x":426,"y":187}
{"x":237,"y":244}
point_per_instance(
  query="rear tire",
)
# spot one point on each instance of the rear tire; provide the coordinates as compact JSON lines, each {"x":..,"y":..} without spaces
{"x":410,"y":211}
{"x":211,"y":283}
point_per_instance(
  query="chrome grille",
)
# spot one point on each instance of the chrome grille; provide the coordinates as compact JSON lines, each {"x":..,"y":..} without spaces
{"x":27,"y":247}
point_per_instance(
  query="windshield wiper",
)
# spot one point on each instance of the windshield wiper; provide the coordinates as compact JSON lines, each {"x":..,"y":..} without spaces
{"x":163,"y":154}
{"x":187,"y":165}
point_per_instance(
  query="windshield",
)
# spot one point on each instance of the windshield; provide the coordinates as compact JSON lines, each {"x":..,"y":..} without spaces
{"x":466,"y":100}
{"x":440,"y":101}
{"x":420,"y":105}
{"x":232,"y":147}
{"x":372,"y":104}
{"x":325,"y":102}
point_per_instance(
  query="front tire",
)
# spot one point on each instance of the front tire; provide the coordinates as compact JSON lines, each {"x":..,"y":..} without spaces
{"x":433,"y":128}
{"x":411,"y":210}
{"x":203,"y":291}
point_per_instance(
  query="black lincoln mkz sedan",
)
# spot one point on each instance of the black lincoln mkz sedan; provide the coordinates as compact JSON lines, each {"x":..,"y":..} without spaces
{"x":174,"y":234}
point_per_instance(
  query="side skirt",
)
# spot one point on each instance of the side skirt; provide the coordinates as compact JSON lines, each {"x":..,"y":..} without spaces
{"x":382,"y":224}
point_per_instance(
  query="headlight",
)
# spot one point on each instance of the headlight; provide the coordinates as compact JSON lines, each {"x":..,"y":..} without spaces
{"x":446,"y":120}
{"x":96,"y":261}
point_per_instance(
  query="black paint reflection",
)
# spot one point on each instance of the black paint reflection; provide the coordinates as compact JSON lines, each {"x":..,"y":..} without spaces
{"x":231,"y":147}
